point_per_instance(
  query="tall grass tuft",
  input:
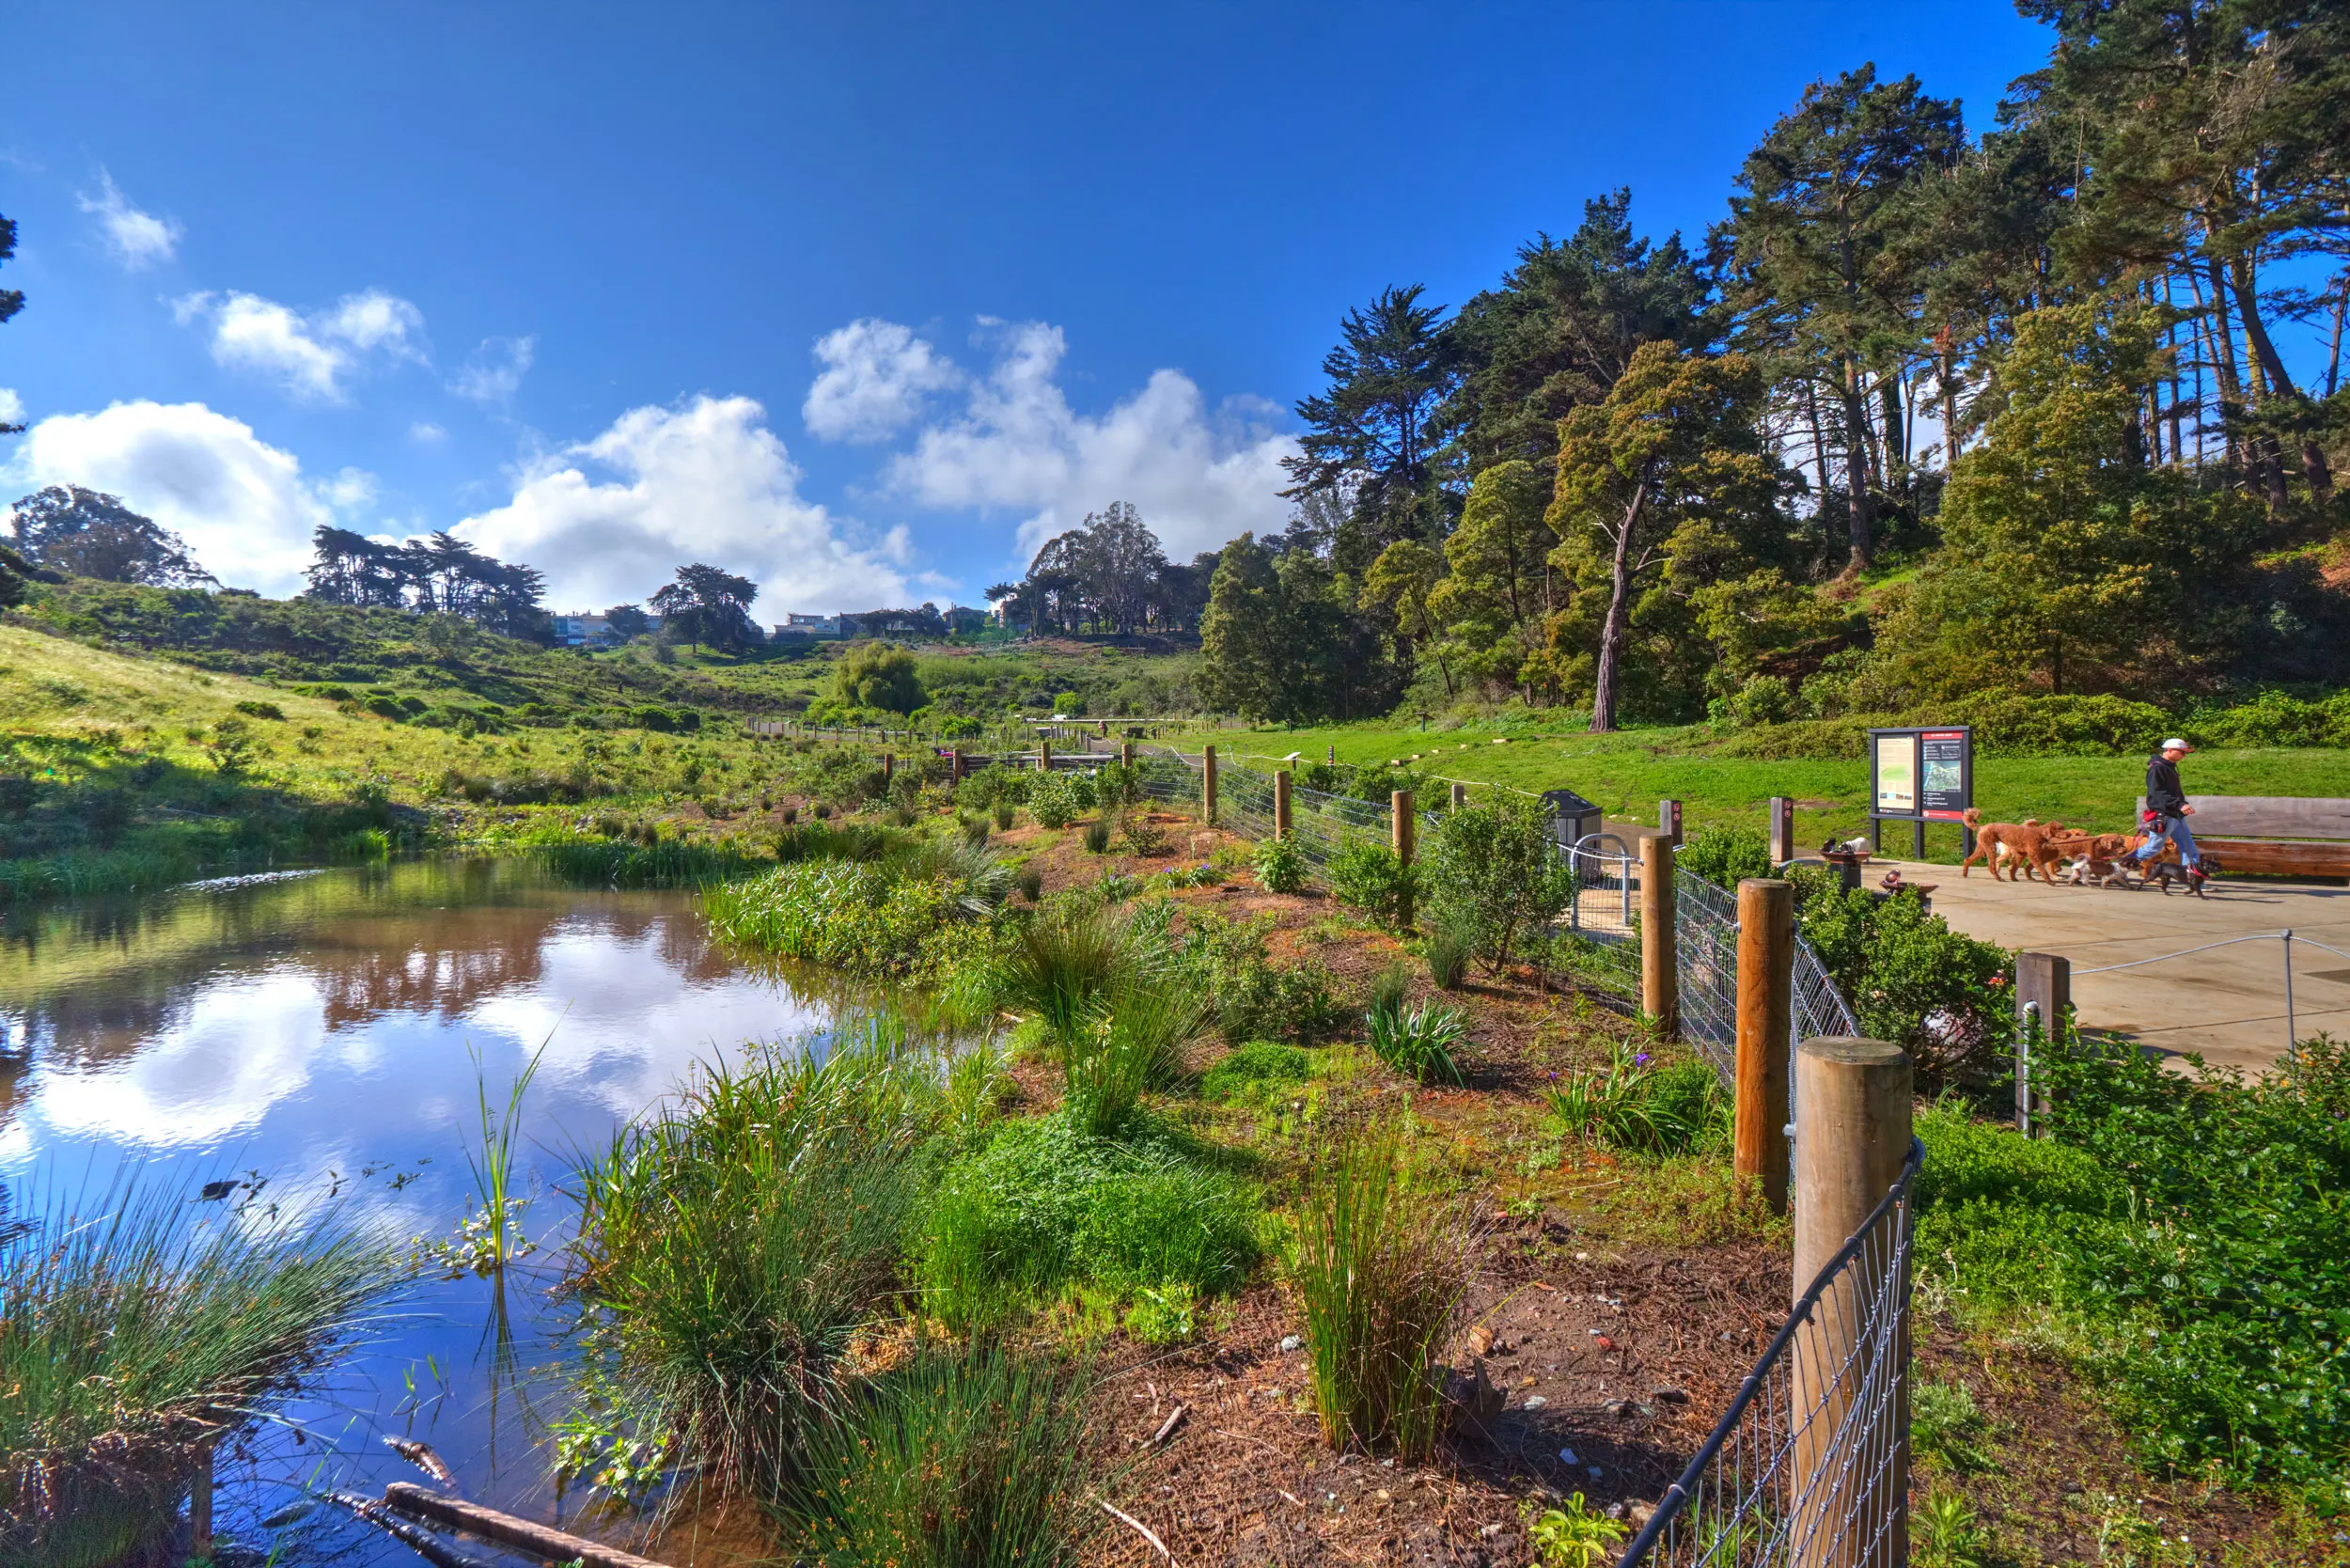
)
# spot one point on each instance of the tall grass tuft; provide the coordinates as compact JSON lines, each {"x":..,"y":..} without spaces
{"x":132,"y":1335}
{"x":597,"y":862}
{"x":1062,"y":965}
{"x":500,"y":1240}
{"x":1381,"y":1270}
{"x":968,"y":1458}
{"x":1448,"y":952}
{"x":732,"y":1244}
{"x":1134,"y":1040}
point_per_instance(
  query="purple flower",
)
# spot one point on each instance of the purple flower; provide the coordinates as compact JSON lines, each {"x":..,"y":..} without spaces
{"x":1641,"y":1061}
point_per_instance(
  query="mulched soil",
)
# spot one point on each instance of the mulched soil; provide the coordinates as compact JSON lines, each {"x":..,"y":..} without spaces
{"x":1612,"y":1375}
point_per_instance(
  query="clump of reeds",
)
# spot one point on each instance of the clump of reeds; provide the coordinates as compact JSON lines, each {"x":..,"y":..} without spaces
{"x":965,"y":1458}
{"x":1381,"y":1269}
{"x":133,"y":1332}
{"x":1110,"y":1009}
{"x":659,"y":863}
{"x":733,"y":1243}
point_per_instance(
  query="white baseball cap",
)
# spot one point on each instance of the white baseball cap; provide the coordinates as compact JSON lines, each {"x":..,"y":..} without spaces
{"x":2174,"y":744}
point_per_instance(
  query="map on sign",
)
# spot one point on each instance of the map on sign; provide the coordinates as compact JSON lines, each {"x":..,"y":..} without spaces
{"x":1896,"y":775}
{"x":1927,"y":774}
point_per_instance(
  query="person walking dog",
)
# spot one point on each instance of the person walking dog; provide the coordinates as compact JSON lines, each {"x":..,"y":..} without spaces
{"x":2166,"y":811}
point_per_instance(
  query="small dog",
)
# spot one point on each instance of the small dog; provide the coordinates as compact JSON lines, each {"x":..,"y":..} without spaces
{"x":2166,"y":872}
{"x":2096,"y":858}
{"x":2027,"y":843}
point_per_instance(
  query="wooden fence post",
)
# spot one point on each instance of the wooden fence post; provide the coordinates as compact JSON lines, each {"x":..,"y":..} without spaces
{"x":1767,"y":994}
{"x":1281,"y":804}
{"x":2044,"y":990}
{"x":1782,"y":830}
{"x":1043,"y":755}
{"x":1125,"y":754}
{"x":1660,"y":978}
{"x":1460,"y":796}
{"x":889,"y":769}
{"x":1669,"y":819}
{"x":1403,"y":836}
{"x":1852,"y":1133}
{"x":954,"y":764}
{"x":1207,"y":784}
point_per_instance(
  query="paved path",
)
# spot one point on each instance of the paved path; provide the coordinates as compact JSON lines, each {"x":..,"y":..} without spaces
{"x":2229,"y":1004}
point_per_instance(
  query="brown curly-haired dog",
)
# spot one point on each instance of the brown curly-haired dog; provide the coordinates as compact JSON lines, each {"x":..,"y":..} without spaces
{"x":2026,"y":843}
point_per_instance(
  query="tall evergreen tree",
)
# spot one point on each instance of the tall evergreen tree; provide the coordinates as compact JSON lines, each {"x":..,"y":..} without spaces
{"x":1377,"y":431}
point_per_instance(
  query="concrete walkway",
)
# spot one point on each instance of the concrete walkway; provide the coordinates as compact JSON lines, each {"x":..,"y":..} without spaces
{"x":2229,"y":1004}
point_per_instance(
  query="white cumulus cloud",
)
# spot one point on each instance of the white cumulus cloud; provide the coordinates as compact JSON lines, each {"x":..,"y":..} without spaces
{"x":1198,"y":476}
{"x":137,"y":238}
{"x":241,"y":504}
{"x":876,"y":374}
{"x":312,"y":356}
{"x":702,"y":481}
{"x":495,"y":371}
{"x":12,"y":406}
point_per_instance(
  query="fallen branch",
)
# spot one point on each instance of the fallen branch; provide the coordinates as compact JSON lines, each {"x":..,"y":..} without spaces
{"x":423,"y":1458}
{"x":505,"y":1529}
{"x":422,"y":1541}
{"x":1166,"y":1429}
{"x":1138,"y":1527}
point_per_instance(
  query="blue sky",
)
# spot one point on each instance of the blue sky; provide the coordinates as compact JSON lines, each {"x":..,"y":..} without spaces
{"x":862,"y":300}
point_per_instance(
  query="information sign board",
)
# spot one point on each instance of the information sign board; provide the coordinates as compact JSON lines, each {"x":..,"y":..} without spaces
{"x":1923,"y":775}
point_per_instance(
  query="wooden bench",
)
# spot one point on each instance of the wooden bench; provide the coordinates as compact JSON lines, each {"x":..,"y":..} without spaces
{"x":2271,"y":835}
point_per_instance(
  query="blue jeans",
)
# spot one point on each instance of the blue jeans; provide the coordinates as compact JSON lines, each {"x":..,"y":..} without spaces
{"x":2174,"y":829}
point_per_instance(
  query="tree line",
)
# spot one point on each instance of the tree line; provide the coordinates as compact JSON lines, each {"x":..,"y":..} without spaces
{"x":1925,"y":412}
{"x":1108,"y":575}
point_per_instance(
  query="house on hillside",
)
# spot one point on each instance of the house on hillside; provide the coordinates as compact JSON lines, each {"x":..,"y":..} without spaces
{"x":797,"y":625}
{"x":582,"y":631}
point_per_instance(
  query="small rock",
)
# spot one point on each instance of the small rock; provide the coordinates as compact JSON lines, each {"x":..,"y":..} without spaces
{"x":1566,"y":1456}
{"x":1290,"y":1343}
{"x":1594,"y":1472}
{"x":1615,"y":1510}
{"x":1534,"y":1402}
{"x":1669,"y":1395}
{"x":1617,"y":1407}
{"x":1490,"y":1530}
{"x":1582,"y":1257}
{"x":1600,"y":1340}
{"x":1481,"y":1339}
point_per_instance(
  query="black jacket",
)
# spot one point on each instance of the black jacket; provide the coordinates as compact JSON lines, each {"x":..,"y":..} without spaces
{"x":2163,"y":793}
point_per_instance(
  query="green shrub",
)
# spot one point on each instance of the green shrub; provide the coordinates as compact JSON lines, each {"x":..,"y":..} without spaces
{"x":253,"y":708}
{"x":1227,"y":960}
{"x":1003,"y":814}
{"x":1724,"y":854}
{"x":865,"y":920}
{"x":2009,"y":724}
{"x":1367,"y":875}
{"x":1938,"y":993}
{"x":1029,"y":881}
{"x":1097,"y":837}
{"x":1494,"y":876}
{"x":1053,"y":801}
{"x":1381,"y":1271}
{"x":968,"y":1458}
{"x":2273,"y":718}
{"x":1143,"y":835}
{"x":1280,"y":867}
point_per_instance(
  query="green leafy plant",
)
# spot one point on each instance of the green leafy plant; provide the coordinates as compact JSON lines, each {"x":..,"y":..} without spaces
{"x":501,"y":1240}
{"x":1636,"y":1105}
{"x":1419,"y":1042}
{"x":1164,"y":1315}
{"x":1944,"y":1426}
{"x":1947,"y":1534}
{"x":1572,"y":1535}
{"x":1368,"y":876}
{"x":1726,"y":854}
{"x":1003,"y":812}
{"x":1495,"y":877}
{"x":1381,"y":1270}
{"x":1097,"y":837}
{"x":1280,"y":867}
{"x":1143,"y":835}
{"x":1053,"y":800}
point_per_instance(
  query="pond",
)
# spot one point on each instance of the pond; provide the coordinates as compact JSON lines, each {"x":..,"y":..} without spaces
{"x":328,"y":1034}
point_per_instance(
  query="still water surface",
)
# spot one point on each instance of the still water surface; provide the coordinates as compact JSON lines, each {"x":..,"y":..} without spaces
{"x":324,"y":1034}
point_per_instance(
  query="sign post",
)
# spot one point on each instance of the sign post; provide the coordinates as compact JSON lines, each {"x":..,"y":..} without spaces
{"x":1919,"y":776}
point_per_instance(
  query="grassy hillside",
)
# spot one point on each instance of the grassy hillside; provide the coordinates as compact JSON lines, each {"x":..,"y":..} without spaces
{"x":156,"y":735}
{"x":1628,"y":773}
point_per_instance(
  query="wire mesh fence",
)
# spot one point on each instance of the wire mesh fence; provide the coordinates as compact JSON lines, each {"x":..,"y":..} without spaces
{"x":1809,"y":1463}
